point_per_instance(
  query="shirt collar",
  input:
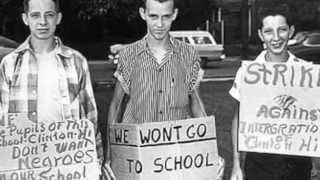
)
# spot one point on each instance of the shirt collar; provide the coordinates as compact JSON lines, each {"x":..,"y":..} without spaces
{"x":59,"y":49}
{"x":143,"y":45}
{"x":262,"y":57}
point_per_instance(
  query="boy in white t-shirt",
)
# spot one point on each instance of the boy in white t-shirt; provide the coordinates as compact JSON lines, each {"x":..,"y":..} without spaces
{"x":274,"y":32}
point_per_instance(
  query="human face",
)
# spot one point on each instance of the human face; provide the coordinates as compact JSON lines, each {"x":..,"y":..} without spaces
{"x":42,"y":19}
{"x":159,"y":17}
{"x":275,"y":33}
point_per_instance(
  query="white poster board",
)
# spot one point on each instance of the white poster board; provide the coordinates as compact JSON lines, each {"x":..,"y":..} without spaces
{"x":171,"y":150}
{"x":59,"y":150}
{"x":264,"y":126}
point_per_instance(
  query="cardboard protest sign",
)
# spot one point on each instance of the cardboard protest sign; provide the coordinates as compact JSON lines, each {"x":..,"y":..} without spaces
{"x":264,"y":125}
{"x":172,"y":150}
{"x":54,"y":151}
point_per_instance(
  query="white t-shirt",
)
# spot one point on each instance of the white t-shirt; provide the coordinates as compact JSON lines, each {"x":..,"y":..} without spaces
{"x":49,"y":98}
{"x":236,"y":87}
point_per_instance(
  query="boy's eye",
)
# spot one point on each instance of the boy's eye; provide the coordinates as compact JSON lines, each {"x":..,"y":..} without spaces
{"x":34,"y":15}
{"x":283,"y":29}
{"x":50,"y":15}
{"x":166,"y":16}
{"x":267,"y":31}
{"x":152,"y":16}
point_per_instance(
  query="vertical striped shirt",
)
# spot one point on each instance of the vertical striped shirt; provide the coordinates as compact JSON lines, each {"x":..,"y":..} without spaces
{"x":158,"y":92}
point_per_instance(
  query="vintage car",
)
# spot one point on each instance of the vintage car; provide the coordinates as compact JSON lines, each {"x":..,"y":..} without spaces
{"x":6,"y":46}
{"x":306,"y":45}
{"x":203,"y":42}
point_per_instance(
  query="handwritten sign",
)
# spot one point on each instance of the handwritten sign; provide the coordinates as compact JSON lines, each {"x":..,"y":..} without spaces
{"x":58,"y":150}
{"x":264,"y":125}
{"x":172,"y":150}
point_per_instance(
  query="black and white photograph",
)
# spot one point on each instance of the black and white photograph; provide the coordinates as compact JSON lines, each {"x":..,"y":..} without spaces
{"x":159,"y":89}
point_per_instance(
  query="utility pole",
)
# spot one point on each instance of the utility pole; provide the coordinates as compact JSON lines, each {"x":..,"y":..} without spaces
{"x":244,"y":11}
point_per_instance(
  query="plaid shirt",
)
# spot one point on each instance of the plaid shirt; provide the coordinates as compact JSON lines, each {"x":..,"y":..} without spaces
{"x":19,"y":84}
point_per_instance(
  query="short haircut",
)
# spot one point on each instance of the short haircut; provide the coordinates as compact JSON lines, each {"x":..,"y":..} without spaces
{"x":26,"y":5}
{"x":144,"y":2}
{"x":282,"y":10}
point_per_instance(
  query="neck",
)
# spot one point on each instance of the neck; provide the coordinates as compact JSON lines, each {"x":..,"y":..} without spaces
{"x":159,"y":44}
{"x":42,"y":46}
{"x":283,"y":57}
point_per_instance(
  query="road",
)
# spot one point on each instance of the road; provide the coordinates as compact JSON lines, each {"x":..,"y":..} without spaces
{"x":219,"y":70}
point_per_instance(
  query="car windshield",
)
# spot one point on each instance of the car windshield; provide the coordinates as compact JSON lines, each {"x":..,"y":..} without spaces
{"x":201,"y":40}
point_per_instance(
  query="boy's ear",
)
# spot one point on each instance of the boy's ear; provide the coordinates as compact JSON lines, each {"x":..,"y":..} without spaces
{"x":25,"y":19}
{"x":59,"y":18}
{"x":175,"y":13}
{"x":291,"y":33}
{"x":260,"y":35}
{"x":142,"y":13}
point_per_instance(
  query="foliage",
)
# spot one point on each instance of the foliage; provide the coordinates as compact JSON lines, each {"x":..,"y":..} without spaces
{"x":89,"y":8}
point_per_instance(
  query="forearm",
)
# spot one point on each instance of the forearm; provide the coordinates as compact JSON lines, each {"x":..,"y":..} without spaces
{"x":197,"y":107}
{"x":234,"y":132}
{"x":113,"y":114}
{"x":112,"y":118}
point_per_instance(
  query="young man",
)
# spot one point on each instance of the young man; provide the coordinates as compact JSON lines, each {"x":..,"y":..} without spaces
{"x":43,"y":78}
{"x":274,"y":32}
{"x":158,"y":73}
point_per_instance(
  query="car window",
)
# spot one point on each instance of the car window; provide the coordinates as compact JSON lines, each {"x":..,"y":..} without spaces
{"x":182,"y":38}
{"x":179,"y":38}
{"x":201,"y":40}
{"x":313,"y":39}
{"x":186,"y":40}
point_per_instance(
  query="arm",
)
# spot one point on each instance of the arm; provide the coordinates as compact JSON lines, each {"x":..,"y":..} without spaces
{"x":113,"y":114}
{"x":4,"y":91}
{"x":115,"y":105}
{"x":236,"y":169}
{"x":89,"y":107}
{"x":196,"y":105}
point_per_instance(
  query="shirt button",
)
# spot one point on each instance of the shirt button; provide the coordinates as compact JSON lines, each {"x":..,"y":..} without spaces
{"x":34,"y":92}
{"x":33,"y":113}
{"x":160,"y":70}
{"x":160,"y":91}
{"x":160,"y":112}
